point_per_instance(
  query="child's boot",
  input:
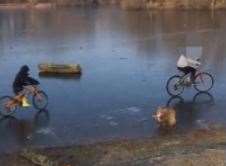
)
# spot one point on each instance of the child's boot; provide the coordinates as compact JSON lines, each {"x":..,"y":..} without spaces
{"x":25,"y":102}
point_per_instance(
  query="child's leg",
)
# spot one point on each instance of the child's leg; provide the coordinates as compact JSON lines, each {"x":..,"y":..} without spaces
{"x":193,"y":72}
{"x":19,"y":98}
{"x":23,"y":99}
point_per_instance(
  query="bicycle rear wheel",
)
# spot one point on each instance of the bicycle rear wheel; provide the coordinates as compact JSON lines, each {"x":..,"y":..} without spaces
{"x":174,"y":86}
{"x":5,"y":109}
{"x":203,"y":82}
{"x":40,"y":100}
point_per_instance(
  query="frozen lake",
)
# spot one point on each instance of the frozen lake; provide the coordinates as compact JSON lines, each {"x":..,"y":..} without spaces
{"x":126,"y":57}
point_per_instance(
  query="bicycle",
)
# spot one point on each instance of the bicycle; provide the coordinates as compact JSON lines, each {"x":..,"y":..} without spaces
{"x":203,"y":82}
{"x":8,"y":104}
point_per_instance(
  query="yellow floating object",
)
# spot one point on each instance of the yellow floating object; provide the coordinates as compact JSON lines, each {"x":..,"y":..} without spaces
{"x":59,"y":68}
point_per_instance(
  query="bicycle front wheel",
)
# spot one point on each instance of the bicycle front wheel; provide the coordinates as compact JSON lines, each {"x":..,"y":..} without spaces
{"x":174,"y":86}
{"x":40,"y":100}
{"x":203,"y":82}
{"x":7,"y":105}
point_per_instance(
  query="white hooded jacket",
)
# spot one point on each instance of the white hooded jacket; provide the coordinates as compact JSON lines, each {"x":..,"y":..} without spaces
{"x":186,"y":62}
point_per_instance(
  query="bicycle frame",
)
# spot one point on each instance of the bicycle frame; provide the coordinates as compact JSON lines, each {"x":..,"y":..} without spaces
{"x":185,"y":76}
{"x":182,"y":81}
{"x":200,"y":75}
{"x":27,"y":91}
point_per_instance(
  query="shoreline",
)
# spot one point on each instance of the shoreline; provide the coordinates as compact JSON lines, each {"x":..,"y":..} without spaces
{"x":123,"y":6}
{"x":197,"y":147}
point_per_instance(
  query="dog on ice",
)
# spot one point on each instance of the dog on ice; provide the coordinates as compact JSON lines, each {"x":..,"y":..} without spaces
{"x":165,"y":117}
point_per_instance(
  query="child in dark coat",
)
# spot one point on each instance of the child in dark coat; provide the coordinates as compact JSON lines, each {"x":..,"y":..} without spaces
{"x":22,"y":83}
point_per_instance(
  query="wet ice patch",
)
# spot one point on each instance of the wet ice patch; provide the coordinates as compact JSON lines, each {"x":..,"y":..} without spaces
{"x":112,"y":123}
{"x":109,"y":117}
{"x":144,"y":120}
{"x":49,"y":132}
{"x":209,"y":125}
{"x":45,"y":131}
{"x":134,"y":109}
{"x":121,"y":110}
{"x":96,"y":125}
{"x":29,"y":137}
{"x":103,"y":116}
{"x":202,"y":124}
{"x":106,"y":117}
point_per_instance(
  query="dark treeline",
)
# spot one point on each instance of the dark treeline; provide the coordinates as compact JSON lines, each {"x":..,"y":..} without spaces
{"x":12,"y":1}
{"x":63,"y":2}
{"x":23,"y":1}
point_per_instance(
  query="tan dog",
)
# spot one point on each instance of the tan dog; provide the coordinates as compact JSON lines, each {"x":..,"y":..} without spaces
{"x":166,"y":117}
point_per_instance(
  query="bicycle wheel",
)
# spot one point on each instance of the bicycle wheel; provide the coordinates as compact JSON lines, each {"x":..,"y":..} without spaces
{"x":4,"y":109}
{"x":203,"y":82}
{"x":174,"y":86}
{"x":40,"y":100}
{"x":175,"y":100}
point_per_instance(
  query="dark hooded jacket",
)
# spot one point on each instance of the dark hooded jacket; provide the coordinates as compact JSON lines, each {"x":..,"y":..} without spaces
{"x":22,"y":79}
